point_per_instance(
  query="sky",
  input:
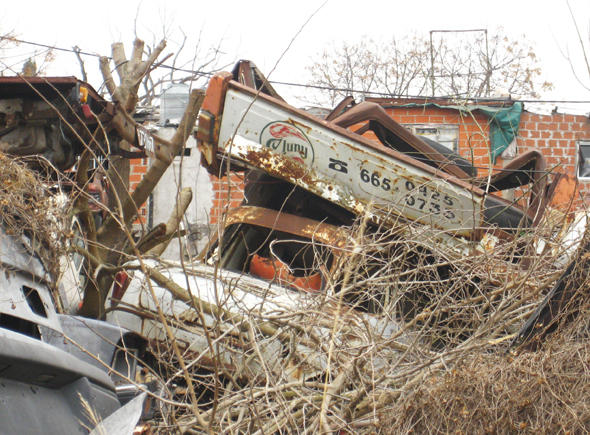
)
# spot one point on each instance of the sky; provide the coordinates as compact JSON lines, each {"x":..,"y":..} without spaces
{"x":282,"y":37}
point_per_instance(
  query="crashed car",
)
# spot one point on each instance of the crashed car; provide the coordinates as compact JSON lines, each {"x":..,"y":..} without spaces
{"x":288,"y":274}
{"x":59,"y":373}
{"x":281,"y":252}
{"x":48,"y":383}
{"x":398,"y":179}
{"x":49,"y":118}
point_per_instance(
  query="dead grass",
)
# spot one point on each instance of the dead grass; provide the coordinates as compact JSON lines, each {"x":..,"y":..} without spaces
{"x":497,"y":389}
{"x":28,"y":208}
{"x":495,"y":392}
{"x":442,"y":367}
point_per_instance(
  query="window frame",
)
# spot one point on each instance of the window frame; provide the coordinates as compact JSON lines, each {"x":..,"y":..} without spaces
{"x":414,"y":128}
{"x":579,"y":164}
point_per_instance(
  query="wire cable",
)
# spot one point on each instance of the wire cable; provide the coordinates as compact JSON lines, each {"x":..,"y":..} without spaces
{"x":309,"y":86}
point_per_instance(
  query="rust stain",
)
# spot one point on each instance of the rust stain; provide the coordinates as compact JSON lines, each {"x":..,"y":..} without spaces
{"x":328,"y":234}
{"x":302,"y":126}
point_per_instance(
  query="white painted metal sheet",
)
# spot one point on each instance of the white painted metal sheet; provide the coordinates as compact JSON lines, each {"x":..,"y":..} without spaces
{"x":341,"y":170}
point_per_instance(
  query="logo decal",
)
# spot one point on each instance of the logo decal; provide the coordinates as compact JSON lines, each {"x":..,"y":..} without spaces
{"x":288,"y":140}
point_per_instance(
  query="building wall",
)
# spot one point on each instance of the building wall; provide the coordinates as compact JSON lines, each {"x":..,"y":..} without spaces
{"x":473,"y":129}
{"x":556,"y":136}
{"x":228,"y":193}
{"x":138,"y":168}
{"x":184,"y":172}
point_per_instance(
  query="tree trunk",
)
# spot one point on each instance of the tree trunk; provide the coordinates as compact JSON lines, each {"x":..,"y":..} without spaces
{"x":114,"y":233}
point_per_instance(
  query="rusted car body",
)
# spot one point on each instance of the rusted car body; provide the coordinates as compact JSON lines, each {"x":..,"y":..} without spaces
{"x":282,"y":251}
{"x":53,"y":119}
{"x":305,"y":251}
{"x":50,"y":118}
{"x":398,"y":179}
{"x":55,"y":369}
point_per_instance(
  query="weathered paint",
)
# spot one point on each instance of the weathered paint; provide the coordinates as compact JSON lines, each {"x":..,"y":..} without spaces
{"x":320,"y":232}
{"x":349,"y":171}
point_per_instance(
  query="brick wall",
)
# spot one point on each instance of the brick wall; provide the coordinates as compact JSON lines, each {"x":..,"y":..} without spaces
{"x":228,"y":193}
{"x":473,"y":129}
{"x":556,"y":136}
{"x":138,"y":169}
{"x":221,"y":187}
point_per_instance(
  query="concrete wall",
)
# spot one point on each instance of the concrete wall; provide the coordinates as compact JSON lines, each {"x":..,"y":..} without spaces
{"x":184,"y":172}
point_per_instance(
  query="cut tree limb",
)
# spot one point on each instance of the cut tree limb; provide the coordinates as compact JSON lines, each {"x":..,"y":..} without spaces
{"x":184,"y":199}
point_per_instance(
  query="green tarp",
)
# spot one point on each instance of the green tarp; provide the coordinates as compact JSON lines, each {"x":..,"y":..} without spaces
{"x":504,"y":123}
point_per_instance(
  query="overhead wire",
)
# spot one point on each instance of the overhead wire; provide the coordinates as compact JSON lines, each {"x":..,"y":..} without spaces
{"x":327,"y":88}
{"x":51,"y":47}
{"x":300,"y":85}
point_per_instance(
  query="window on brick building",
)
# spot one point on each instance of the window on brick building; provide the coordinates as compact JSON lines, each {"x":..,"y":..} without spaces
{"x":583,"y":159}
{"x":445,"y":134}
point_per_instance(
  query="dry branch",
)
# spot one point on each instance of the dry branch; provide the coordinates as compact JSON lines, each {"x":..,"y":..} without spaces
{"x":451,"y":313}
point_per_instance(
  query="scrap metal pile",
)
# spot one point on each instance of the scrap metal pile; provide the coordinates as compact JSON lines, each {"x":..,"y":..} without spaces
{"x":357,"y":282}
{"x":353,"y":273}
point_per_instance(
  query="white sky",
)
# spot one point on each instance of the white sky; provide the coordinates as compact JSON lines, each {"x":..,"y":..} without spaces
{"x":261,"y":30}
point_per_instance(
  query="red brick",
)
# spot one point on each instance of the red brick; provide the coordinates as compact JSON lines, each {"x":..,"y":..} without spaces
{"x":535,"y":118}
{"x":557,"y":152}
{"x":139,"y":169}
{"x":551,"y":161}
{"x":478,"y":152}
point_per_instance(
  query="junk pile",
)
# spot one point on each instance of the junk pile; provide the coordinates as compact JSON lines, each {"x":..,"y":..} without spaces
{"x":536,"y":384}
{"x":354,"y":274}
{"x":59,"y":373}
{"x":358,"y":280}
